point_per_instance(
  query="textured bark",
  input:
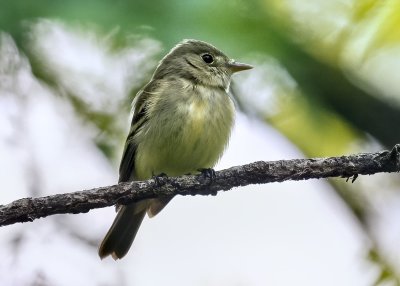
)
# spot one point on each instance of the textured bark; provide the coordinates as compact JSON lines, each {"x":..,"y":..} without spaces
{"x":29,"y":209}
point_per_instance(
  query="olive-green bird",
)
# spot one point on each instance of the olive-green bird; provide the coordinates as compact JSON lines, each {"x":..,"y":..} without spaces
{"x":181,"y":124}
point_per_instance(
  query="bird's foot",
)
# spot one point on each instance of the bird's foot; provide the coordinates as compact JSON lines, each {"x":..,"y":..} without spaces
{"x":208,"y":173}
{"x":353,"y":178}
{"x":159,"y":179}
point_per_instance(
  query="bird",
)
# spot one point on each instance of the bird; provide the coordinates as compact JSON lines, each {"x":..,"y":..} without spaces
{"x":181,"y":124}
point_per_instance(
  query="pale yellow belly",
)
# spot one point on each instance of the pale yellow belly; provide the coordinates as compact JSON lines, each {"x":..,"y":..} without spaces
{"x":192,"y":137}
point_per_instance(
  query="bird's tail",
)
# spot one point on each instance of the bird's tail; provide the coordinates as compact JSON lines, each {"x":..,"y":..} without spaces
{"x":122,"y":232}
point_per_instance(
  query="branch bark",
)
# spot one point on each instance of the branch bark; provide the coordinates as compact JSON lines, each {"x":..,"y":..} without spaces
{"x":29,"y":209}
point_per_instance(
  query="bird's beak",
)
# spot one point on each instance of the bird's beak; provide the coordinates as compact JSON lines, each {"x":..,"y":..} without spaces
{"x":236,"y":66}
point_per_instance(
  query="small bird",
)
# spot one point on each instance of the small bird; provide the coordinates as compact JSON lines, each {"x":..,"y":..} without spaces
{"x":181,"y":124}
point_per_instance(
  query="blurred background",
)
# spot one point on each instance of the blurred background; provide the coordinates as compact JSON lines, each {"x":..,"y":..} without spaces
{"x":326,"y":82}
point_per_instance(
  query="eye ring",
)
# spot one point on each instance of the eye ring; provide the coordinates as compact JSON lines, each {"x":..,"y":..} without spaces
{"x":207,"y":58}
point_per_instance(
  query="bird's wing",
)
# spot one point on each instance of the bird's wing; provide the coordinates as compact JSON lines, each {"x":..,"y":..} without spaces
{"x":127,"y":166}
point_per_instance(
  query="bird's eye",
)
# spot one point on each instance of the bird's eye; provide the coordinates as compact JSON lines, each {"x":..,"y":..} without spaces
{"x":207,"y":58}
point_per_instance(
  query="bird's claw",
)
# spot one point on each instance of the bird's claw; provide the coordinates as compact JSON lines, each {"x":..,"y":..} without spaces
{"x":353,"y":178}
{"x":207,"y":173}
{"x":159,"y":179}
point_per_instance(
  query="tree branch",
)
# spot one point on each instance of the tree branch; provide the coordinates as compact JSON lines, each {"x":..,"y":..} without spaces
{"x":29,"y":209}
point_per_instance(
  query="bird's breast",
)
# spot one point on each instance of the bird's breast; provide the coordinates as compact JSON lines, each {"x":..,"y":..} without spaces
{"x":208,"y":118}
{"x":191,"y":132}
